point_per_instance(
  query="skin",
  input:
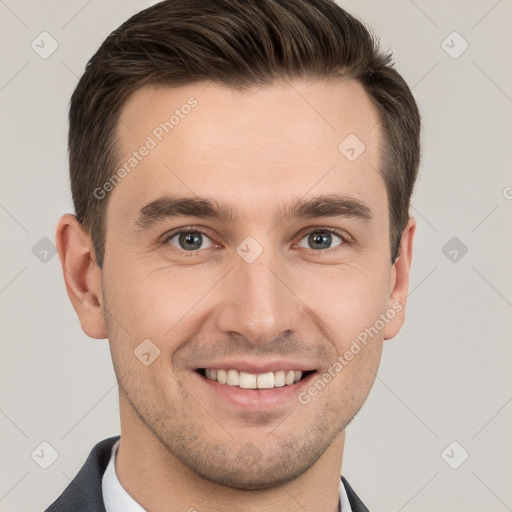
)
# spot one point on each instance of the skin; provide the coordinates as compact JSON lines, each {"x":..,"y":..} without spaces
{"x":254,"y":150}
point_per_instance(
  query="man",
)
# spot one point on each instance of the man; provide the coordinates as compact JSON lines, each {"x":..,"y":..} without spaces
{"x":241,"y":172}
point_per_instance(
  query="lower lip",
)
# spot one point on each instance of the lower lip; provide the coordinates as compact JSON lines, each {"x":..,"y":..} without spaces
{"x":253,"y":400}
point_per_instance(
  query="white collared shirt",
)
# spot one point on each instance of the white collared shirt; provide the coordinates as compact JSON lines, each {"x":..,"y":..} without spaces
{"x":116,"y":499}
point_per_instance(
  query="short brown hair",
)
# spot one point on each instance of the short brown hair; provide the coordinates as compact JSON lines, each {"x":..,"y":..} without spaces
{"x":237,"y":43}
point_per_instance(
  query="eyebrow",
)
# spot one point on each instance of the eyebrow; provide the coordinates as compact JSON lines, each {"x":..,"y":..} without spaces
{"x":326,"y":205}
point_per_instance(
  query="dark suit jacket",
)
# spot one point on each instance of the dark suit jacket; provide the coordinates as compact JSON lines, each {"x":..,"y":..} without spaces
{"x":84,"y":493}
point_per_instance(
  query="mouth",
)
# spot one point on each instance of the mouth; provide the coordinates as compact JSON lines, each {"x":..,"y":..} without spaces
{"x":254,"y":381}
{"x":235,"y":391}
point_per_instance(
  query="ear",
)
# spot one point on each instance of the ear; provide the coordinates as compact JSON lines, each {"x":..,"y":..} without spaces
{"x":81,"y":275}
{"x":399,"y":282}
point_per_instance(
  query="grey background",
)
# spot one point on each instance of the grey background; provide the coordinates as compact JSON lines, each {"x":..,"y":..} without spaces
{"x":445,"y":378}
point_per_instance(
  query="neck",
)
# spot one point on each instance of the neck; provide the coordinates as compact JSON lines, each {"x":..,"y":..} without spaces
{"x":157,"y":480}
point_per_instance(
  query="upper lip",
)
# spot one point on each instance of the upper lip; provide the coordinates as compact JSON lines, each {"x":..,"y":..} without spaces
{"x":258,"y":367}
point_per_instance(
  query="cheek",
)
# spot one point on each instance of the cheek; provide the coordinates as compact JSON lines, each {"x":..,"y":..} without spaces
{"x":347,"y":300}
{"x":158,"y":303}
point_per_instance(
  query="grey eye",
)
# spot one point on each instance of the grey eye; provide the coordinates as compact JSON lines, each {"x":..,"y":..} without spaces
{"x":320,"y":239}
{"x":189,"y":240}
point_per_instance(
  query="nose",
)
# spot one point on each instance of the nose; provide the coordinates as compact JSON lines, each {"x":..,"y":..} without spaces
{"x":259,"y":301}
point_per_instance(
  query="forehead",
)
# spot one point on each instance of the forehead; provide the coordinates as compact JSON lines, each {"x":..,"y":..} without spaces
{"x":252,"y":148}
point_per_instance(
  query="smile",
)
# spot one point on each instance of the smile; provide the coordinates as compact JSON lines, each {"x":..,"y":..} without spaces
{"x":246,"y":380}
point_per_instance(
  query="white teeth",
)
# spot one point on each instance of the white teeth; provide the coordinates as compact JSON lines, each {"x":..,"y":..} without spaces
{"x":247,"y":380}
{"x":279,"y":380}
{"x":233,"y":378}
{"x":265,"y":380}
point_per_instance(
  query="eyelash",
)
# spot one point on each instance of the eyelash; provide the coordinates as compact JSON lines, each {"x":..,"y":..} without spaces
{"x":343,"y":237}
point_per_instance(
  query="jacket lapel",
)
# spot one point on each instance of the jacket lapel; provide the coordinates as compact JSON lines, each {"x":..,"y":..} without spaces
{"x":356,"y":504}
{"x":84,"y":493}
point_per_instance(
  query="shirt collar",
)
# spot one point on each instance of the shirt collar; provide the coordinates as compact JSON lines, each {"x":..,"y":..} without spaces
{"x":116,"y":499}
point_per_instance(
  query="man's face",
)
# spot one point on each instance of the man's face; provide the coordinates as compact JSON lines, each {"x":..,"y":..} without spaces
{"x":291,"y":292}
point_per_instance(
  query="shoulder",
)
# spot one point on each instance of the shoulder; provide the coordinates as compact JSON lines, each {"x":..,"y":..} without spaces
{"x":84,"y":492}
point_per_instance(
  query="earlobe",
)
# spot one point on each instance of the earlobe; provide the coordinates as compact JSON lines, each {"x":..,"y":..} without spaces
{"x":399,"y":283}
{"x":81,"y":275}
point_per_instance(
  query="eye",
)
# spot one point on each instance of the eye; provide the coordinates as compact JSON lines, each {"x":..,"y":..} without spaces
{"x":321,"y":239}
{"x":189,"y":240}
